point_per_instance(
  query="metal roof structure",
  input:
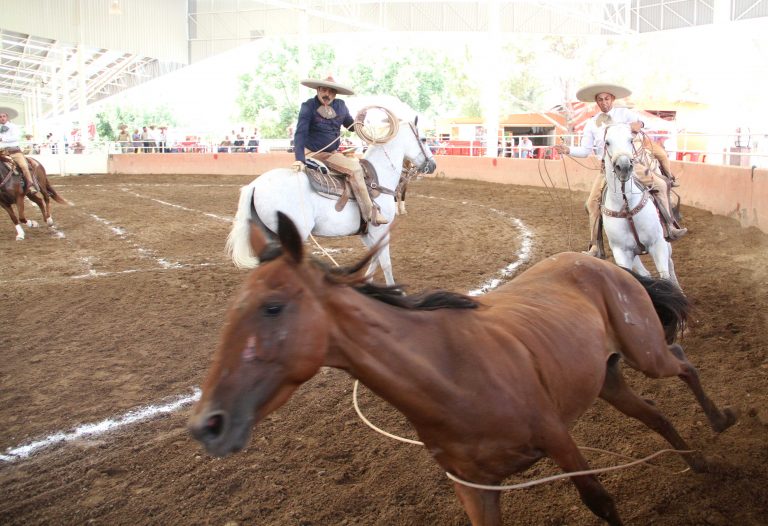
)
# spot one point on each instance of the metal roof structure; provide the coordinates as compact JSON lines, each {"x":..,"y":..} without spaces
{"x":61,"y":75}
{"x":56,"y":70}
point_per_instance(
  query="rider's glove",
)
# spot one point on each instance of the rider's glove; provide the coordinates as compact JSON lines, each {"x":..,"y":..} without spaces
{"x":298,"y":166}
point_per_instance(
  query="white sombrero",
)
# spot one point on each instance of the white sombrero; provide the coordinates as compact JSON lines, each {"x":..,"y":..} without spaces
{"x":12,"y":114}
{"x":588,"y":93}
{"x":328,"y":82}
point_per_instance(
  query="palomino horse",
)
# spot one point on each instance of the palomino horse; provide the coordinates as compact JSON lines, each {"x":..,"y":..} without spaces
{"x":490,"y":387}
{"x":12,"y":192}
{"x":630,"y":218}
{"x":288,"y":191}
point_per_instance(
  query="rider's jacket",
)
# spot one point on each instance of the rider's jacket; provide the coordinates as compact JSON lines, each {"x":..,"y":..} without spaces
{"x":592,"y":141}
{"x":315,"y":132}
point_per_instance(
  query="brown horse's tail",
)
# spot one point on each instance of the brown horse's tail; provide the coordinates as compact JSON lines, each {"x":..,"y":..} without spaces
{"x":38,"y":171}
{"x":54,"y":194}
{"x":672,"y":306}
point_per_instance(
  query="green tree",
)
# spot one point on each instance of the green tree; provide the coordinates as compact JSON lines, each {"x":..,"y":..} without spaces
{"x":267,"y":95}
{"x":111,"y":117}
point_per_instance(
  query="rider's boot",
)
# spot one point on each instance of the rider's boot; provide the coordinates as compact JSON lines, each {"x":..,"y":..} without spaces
{"x":368,"y":211}
{"x":594,"y":227}
{"x":32,"y":188}
{"x":672,"y":228}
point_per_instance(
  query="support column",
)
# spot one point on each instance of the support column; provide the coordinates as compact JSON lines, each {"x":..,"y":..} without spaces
{"x":490,"y":90}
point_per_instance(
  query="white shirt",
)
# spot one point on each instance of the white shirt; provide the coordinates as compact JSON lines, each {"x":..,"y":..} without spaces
{"x":526,"y":144}
{"x":592,"y":141}
{"x":11,"y":137}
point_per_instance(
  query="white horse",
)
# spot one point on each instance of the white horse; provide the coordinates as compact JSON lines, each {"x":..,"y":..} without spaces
{"x":288,"y":191}
{"x":630,"y":218}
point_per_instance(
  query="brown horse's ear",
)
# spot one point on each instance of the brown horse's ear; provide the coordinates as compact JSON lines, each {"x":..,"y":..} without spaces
{"x":290,"y":238}
{"x":257,"y":238}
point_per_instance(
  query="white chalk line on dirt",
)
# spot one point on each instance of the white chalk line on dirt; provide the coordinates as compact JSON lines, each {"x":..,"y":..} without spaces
{"x":524,"y":255}
{"x":151,"y":411}
{"x":105,"y":426}
{"x":180,"y":207}
{"x":146,"y":253}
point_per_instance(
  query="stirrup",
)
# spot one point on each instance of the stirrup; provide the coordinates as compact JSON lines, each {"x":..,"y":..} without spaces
{"x":674,"y":234}
{"x":593,"y":251}
{"x":379,"y":219}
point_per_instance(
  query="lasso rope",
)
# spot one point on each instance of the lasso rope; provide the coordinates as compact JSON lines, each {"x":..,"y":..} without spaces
{"x":371,"y":138}
{"x":530,"y":483}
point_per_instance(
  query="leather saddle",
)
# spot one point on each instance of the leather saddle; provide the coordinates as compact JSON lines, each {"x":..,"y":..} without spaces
{"x":334,"y":185}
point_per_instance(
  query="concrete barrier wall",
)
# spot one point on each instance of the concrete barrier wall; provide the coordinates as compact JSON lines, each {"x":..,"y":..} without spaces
{"x":740,"y":193}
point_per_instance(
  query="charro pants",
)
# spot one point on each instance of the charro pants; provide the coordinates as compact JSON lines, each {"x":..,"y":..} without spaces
{"x":349,"y":166}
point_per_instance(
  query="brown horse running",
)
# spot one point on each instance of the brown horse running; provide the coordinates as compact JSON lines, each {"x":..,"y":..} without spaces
{"x":12,"y":193}
{"x":490,"y":387}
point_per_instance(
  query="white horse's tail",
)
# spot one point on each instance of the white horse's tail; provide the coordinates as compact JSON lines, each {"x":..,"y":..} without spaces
{"x":238,"y":241}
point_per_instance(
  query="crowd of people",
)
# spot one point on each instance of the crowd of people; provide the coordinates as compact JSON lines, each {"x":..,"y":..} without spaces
{"x":243,"y":142}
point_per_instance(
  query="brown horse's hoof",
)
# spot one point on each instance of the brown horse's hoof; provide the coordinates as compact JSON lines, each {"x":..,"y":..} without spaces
{"x":727,"y":420}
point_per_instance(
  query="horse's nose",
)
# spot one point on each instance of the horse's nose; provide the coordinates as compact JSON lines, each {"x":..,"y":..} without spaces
{"x":430,"y":167}
{"x":207,"y":427}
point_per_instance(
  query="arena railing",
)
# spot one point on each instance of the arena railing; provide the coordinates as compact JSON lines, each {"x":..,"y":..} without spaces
{"x":711,"y":148}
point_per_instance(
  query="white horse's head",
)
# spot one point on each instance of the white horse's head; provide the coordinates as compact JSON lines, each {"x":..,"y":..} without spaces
{"x":415,"y":148}
{"x":619,"y":154}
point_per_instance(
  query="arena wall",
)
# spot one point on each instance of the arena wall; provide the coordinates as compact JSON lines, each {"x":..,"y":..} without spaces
{"x":740,"y":193}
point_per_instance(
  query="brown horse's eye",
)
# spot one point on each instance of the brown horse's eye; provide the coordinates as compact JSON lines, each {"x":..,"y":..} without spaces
{"x":273,"y":309}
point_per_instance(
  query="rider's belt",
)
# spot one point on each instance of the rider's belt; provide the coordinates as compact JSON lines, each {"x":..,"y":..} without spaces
{"x":10,"y":150}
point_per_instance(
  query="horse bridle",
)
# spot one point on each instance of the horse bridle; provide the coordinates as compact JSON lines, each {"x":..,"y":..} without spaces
{"x":423,"y":147}
{"x":625,"y":211}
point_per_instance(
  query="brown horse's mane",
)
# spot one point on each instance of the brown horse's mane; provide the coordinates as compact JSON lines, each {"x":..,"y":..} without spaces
{"x":395,"y":295}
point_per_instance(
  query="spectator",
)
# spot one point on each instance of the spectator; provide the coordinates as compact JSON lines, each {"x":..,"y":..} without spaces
{"x":290,"y":143}
{"x":124,"y":139}
{"x":154,"y":138}
{"x":162,"y":139}
{"x":239,"y":140}
{"x":253,"y":142}
{"x":137,"y":143}
{"x":526,"y":148}
{"x":146,"y":139}
{"x":226,"y":145}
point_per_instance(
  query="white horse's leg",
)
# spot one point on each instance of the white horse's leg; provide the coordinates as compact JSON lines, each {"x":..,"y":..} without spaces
{"x":401,"y":208}
{"x":622,"y":257}
{"x":637,"y":266}
{"x":19,"y":233}
{"x":386,"y":265}
{"x":661,"y":254}
{"x":672,"y":275}
{"x":382,"y":258}
{"x":49,"y":221}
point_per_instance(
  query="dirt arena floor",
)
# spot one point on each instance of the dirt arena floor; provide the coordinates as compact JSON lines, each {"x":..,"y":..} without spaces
{"x":120,"y":309}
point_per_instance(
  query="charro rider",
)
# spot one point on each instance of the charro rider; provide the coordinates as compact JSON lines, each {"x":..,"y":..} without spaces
{"x":593,"y":142}
{"x":318,"y":133}
{"x":9,"y":145}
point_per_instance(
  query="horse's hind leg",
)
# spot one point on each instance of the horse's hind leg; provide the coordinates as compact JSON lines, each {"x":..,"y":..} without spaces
{"x":719,"y":420}
{"x":616,"y":392}
{"x":561,"y":448}
{"x":482,"y":506}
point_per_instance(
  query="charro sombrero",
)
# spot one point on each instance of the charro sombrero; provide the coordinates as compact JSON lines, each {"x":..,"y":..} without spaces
{"x":588,"y":93}
{"x":328,"y":82}
{"x":12,"y":114}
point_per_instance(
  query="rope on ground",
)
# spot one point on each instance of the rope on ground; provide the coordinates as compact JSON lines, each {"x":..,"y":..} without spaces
{"x":529,"y":483}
